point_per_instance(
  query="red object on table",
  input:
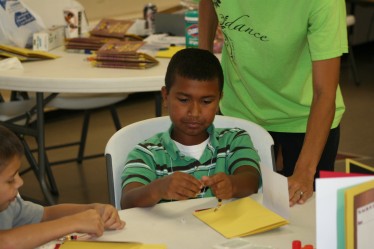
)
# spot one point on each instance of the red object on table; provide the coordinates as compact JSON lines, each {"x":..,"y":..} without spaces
{"x":296,"y":244}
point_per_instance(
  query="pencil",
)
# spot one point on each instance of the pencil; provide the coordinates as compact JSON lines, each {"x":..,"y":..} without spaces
{"x":218,"y":205}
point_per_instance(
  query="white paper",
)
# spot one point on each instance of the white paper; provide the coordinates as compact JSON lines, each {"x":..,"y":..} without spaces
{"x":275,"y":190}
{"x":10,"y":63}
{"x":165,"y":40}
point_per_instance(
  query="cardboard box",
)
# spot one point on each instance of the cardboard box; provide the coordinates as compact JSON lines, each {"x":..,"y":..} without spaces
{"x":49,"y":39}
{"x":76,"y":22}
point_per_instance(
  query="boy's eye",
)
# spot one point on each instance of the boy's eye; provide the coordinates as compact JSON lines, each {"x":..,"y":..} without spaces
{"x":183,"y":100}
{"x":207,"y":101}
{"x":11,"y":181}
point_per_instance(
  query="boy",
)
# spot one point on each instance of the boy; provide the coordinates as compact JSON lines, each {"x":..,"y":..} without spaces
{"x":191,"y":159}
{"x":24,"y":224}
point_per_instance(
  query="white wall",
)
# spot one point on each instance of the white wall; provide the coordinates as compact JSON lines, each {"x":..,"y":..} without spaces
{"x":97,"y":9}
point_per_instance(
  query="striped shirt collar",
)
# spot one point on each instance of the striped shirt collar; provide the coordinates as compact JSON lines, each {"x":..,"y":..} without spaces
{"x":172,"y":148}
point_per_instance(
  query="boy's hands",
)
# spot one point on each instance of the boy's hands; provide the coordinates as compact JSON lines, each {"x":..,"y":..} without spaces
{"x":179,"y":186}
{"x":88,"y":221}
{"x":96,"y":219}
{"x":220,"y":184}
{"x":109,"y":216}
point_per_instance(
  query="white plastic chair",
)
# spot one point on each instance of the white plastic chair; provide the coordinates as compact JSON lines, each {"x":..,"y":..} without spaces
{"x":124,"y":140}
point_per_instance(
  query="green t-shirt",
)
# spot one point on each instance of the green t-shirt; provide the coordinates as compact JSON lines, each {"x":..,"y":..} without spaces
{"x":268,"y":54}
{"x":158,"y":156}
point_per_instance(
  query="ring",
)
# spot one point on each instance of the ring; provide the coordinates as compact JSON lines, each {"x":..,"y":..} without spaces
{"x":301,"y":193}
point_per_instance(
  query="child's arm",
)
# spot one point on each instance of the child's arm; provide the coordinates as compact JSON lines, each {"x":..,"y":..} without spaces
{"x":243,"y":182}
{"x":34,"y":235}
{"x":177,"y":186}
{"x":108,"y":213}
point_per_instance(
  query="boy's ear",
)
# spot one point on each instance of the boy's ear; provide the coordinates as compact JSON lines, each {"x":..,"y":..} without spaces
{"x":164,"y":96}
{"x":218,"y":111}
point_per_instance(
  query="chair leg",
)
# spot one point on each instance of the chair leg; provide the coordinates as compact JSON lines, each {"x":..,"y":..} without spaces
{"x":51,"y":178}
{"x":28,"y":154}
{"x":115,"y":117}
{"x":82,"y":143}
{"x":34,"y":166}
{"x":86,"y":120}
{"x":352,"y":63}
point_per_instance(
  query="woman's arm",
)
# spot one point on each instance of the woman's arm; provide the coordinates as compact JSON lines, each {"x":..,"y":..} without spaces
{"x":207,"y":24}
{"x":325,"y":83}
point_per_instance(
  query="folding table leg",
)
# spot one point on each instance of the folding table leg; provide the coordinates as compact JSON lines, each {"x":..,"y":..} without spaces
{"x":35,"y":167}
{"x":41,"y":148}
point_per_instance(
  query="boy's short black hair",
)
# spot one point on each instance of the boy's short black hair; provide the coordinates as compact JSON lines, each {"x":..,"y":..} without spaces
{"x":10,"y":146}
{"x":196,"y":64}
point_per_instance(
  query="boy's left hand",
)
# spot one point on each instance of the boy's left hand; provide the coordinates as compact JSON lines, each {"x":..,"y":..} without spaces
{"x":110,"y":217}
{"x":220,"y":184}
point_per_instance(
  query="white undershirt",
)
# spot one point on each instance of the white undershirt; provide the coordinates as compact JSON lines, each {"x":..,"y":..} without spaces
{"x":194,"y":151}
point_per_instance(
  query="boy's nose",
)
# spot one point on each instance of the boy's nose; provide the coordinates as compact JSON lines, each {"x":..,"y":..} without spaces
{"x":19,"y":181}
{"x":195,"y":109}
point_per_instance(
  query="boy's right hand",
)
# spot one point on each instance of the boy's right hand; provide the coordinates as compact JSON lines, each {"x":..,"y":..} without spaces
{"x":179,"y":186}
{"x":88,"y":221}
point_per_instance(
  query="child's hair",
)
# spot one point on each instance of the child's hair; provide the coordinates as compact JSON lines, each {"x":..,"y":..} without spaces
{"x":196,"y":64}
{"x":10,"y":146}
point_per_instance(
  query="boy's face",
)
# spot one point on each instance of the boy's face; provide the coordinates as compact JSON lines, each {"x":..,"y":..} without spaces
{"x":10,"y":181}
{"x":192,"y":106}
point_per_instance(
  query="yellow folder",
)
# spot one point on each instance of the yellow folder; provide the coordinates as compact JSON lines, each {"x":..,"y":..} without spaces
{"x":358,"y":199}
{"x":240,"y":218}
{"x":76,"y":244}
{"x":352,"y":166}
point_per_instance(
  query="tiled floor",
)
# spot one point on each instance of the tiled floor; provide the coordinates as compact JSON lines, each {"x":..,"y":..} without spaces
{"x":87,"y":182}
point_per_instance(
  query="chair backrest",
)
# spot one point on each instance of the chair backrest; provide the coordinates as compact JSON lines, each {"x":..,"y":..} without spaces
{"x":124,"y":140}
{"x":17,"y":112}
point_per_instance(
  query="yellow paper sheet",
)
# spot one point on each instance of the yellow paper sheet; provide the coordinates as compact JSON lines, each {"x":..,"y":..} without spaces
{"x":76,"y":244}
{"x":27,"y":53}
{"x":168,"y":53}
{"x":241,"y":218}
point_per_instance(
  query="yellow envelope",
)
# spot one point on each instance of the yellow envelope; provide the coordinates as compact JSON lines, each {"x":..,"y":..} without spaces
{"x":241,"y":218}
{"x":76,"y":244}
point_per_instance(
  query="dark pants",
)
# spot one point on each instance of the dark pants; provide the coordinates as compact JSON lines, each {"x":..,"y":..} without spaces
{"x":291,"y":144}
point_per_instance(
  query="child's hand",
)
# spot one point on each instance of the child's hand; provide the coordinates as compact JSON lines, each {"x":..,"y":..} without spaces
{"x":109,"y":216}
{"x":220,"y":184}
{"x":88,"y":221}
{"x":179,"y":186}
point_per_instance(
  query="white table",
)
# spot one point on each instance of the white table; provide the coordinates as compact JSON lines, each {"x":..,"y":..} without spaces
{"x":72,"y":73}
{"x":173,"y":224}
